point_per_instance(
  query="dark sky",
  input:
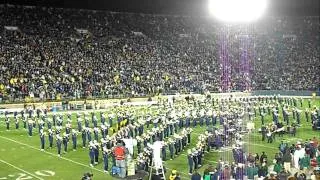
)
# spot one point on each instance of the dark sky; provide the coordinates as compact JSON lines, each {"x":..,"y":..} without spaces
{"x":182,"y":7}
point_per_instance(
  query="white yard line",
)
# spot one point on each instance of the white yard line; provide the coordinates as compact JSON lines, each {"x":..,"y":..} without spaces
{"x":203,"y":159}
{"x":72,"y":161}
{"x":5,"y":162}
{"x":269,"y":147}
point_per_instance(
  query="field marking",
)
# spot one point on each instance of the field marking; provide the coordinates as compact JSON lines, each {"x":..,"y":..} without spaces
{"x":203,"y":159}
{"x":5,"y":162}
{"x":75,"y":162}
{"x":261,"y":145}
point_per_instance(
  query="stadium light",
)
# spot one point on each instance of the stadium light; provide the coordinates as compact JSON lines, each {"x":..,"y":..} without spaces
{"x":237,"y":10}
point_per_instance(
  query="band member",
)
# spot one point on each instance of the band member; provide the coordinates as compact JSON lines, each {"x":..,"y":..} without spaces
{"x":42,"y":140}
{"x":59,"y":142}
{"x":86,"y":122}
{"x":74,"y":139}
{"x":164,"y":152}
{"x":91,"y":153}
{"x":171,"y":144}
{"x":105,"y":159}
{"x":88,"y":132}
{"x":104,"y":131}
{"x":269,"y":136}
{"x":84,"y":137}
{"x":190,"y":162}
{"x":79,"y":123}
{"x":65,"y":140}
{"x":24,"y":120}
{"x":16,"y":122}
{"x":30,"y":126}
{"x":96,"y":152}
{"x":95,"y":121}
{"x":195,"y":158}
{"x":96,"y":133}
{"x":50,"y":137}
{"x":7,"y":123}
{"x":49,"y":123}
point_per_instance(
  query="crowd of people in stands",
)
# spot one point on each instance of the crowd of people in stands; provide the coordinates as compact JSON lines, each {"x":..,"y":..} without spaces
{"x":255,"y":166}
{"x":51,"y":53}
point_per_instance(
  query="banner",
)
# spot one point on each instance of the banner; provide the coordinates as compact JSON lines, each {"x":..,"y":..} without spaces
{"x":184,"y":35}
{"x":138,"y":34}
{"x":11,"y":28}
{"x":82,"y":31}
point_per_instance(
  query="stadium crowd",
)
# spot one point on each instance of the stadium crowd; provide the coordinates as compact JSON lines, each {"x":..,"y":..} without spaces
{"x":52,"y":53}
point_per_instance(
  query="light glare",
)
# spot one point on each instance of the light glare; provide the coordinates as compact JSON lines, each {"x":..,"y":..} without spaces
{"x":237,"y":10}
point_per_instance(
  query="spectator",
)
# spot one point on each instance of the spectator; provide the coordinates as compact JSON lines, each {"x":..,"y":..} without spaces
{"x":196,"y":175}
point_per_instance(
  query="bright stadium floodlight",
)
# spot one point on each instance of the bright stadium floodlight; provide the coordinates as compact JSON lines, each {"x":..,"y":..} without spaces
{"x":237,"y":10}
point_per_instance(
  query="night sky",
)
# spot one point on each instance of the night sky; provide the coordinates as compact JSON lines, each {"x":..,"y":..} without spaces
{"x":178,"y":7}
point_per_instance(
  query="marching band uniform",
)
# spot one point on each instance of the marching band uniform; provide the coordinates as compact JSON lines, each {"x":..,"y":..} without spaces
{"x":84,"y":137}
{"x":96,"y":152}
{"x":59,"y":141}
{"x":79,"y":123}
{"x":68,"y":128}
{"x":16,"y":122}
{"x":176,"y":146}
{"x":138,"y":144}
{"x":40,"y":124}
{"x":88,"y":132}
{"x":201,"y":116}
{"x":262,"y":118}
{"x":96,"y":133}
{"x":7,"y":123}
{"x":86,"y":122}
{"x":187,"y":114}
{"x":104,"y":131}
{"x":307,"y":115}
{"x":214,"y":118}
{"x":24,"y":120}
{"x":163,"y":152}
{"x":74,"y":139}
{"x":105,"y":160}
{"x":166,"y":131}
{"x":195,"y":158}
{"x":91,"y":153}
{"x":199,"y":157}
{"x":194,"y":116}
{"x":190,"y":161}
{"x":148,"y":121}
{"x":42,"y":140}
{"x":59,"y":121}
{"x":65,"y":141}
{"x":49,"y":123}
{"x":50,"y":137}
{"x":95,"y":121}
{"x":102,"y":118}
{"x":171,"y":148}
{"x":30,"y":126}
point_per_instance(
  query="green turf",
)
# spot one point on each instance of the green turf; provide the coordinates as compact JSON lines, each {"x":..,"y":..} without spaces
{"x":23,"y":153}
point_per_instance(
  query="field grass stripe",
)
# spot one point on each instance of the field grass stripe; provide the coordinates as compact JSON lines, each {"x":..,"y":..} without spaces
{"x":5,"y":162}
{"x":72,"y":161}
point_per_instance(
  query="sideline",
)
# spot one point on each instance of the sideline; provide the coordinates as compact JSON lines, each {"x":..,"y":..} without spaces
{"x":5,"y":162}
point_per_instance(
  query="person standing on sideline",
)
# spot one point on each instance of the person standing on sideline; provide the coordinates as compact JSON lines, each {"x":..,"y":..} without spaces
{"x":120,"y":155}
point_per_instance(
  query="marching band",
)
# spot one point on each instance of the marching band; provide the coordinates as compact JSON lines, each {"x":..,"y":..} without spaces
{"x":169,"y":124}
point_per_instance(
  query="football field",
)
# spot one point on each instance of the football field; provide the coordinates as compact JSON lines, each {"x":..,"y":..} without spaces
{"x":21,"y":158}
